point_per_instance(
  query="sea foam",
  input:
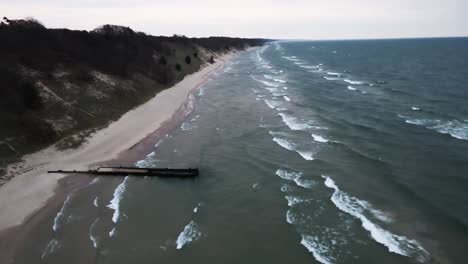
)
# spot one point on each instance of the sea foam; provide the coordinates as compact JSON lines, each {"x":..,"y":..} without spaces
{"x":318,"y":250}
{"x":293,"y":123}
{"x":190,"y":234}
{"x":297,"y":177}
{"x":353,"y":82}
{"x":51,"y":247}
{"x":357,"y":208}
{"x":59,"y":218}
{"x":115,"y":202}
{"x":455,"y":128}
{"x":319,"y":138}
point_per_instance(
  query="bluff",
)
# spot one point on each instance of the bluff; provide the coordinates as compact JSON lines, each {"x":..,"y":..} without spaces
{"x":57,"y":85}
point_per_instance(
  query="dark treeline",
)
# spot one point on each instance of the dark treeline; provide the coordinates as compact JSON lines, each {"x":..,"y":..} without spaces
{"x":32,"y":57}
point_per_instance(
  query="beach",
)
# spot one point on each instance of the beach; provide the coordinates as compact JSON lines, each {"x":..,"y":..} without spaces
{"x":32,"y":187}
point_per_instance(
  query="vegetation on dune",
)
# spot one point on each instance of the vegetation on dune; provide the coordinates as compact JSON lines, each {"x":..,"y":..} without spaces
{"x":56,"y":84}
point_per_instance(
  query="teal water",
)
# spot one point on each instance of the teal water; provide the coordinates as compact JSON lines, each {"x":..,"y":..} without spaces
{"x":309,"y":152}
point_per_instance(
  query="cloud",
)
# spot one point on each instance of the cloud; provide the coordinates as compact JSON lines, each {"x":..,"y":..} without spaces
{"x":256,"y":18}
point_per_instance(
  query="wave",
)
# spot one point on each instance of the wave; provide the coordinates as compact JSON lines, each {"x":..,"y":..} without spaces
{"x":353,"y":82}
{"x":190,"y":234}
{"x":318,"y":250}
{"x":292,"y":147}
{"x":195,"y":210}
{"x":286,"y":188}
{"x":290,"y":58}
{"x":351,"y":88}
{"x":59,"y":218}
{"x":294,"y":123}
{"x":395,"y":243}
{"x":455,"y":128}
{"x":51,"y":247}
{"x":267,"y":83}
{"x":186,"y":126}
{"x":115,"y":202}
{"x":297,"y":177}
{"x":274,"y":79}
{"x":293,"y":200}
{"x":334,"y":74}
{"x":331,"y":78}
{"x":94,"y":239}
{"x":113,"y":232}
{"x":319,"y":138}
{"x":309,"y":66}
{"x":273,"y":104}
{"x":94,"y":181}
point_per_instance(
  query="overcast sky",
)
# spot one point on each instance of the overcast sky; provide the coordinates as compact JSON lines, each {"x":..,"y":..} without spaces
{"x":284,"y":19}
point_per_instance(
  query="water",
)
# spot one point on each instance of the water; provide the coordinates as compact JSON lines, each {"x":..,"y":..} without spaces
{"x":316,"y":152}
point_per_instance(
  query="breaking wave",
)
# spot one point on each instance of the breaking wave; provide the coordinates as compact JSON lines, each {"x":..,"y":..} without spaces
{"x":190,"y":234}
{"x":59,"y":218}
{"x":292,"y":147}
{"x":297,"y":177}
{"x":353,"y":82}
{"x":294,"y":123}
{"x":357,"y":208}
{"x":51,"y":247}
{"x":454,"y":128}
{"x":115,"y":202}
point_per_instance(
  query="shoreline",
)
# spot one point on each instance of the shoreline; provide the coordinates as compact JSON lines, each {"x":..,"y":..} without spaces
{"x":32,"y":189}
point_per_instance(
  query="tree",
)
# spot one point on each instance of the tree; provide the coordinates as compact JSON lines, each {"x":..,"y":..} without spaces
{"x":162,"y":60}
{"x":188,"y":59}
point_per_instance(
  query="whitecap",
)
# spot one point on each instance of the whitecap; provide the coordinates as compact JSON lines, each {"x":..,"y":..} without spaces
{"x":94,"y":239}
{"x":331,"y":78}
{"x":307,"y":155}
{"x":294,"y":200}
{"x":186,"y":126}
{"x":353,"y":82}
{"x":284,"y":143}
{"x":297,"y":177}
{"x":95,"y":202}
{"x":59,"y":218}
{"x":415,"y":108}
{"x":274,"y":79}
{"x":319,"y":138}
{"x":293,"y":123}
{"x":334,"y":74}
{"x":115,"y":202}
{"x":273,"y":104}
{"x":309,"y":66}
{"x":113,"y":232}
{"x":395,"y":243}
{"x":190,"y":234}
{"x":351,"y":88}
{"x":287,"y":98}
{"x":51,"y":247}
{"x":455,"y":128}
{"x":319,"y":250}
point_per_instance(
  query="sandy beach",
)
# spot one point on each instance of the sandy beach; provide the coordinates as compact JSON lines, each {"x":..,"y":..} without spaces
{"x":32,"y":187}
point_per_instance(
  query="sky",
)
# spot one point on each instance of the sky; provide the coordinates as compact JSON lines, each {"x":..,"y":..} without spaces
{"x":277,"y":19}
